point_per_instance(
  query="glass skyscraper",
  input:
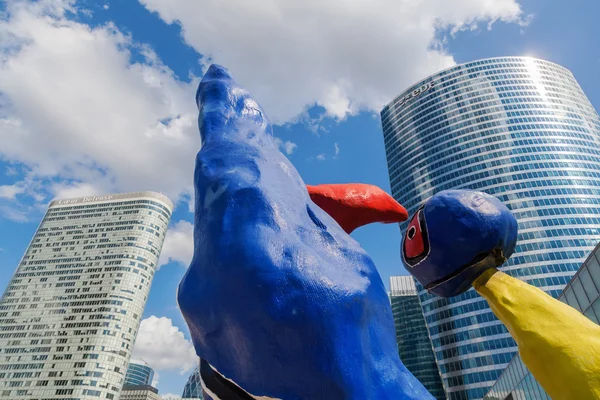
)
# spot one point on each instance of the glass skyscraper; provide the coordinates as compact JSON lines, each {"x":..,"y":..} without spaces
{"x":581,"y":293}
{"x":414,"y":345}
{"x":70,"y":315}
{"x":517,"y":128}
{"x":139,"y":373}
{"x":193,"y":387}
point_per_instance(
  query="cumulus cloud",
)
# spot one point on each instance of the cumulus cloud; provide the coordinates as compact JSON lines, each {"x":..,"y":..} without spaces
{"x":344,"y":56}
{"x":179,"y":244}
{"x":75,"y":108}
{"x":87,"y":110}
{"x":163,"y":346}
{"x":337,"y":149}
{"x":287,"y":146}
{"x":10,"y":191}
{"x":65,"y":190}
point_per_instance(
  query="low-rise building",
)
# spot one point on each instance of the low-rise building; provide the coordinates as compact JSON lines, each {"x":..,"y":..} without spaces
{"x":139,"y":392}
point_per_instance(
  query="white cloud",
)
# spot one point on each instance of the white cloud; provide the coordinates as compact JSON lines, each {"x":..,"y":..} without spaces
{"x":74,"y":108}
{"x":170,"y":396}
{"x":344,"y":56}
{"x":287,"y":146}
{"x":77,"y":116}
{"x":321,"y":157}
{"x":66,"y":191}
{"x":12,"y":206}
{"x":155,"y":379}
{"x":11,"y":171}
{"x":178,"y":245}
{"x":10,"y":191}
{"x":14,"y":214}
{"x":106,"y":6}
{"x":163,"y":346}
{"x":337,"y":149}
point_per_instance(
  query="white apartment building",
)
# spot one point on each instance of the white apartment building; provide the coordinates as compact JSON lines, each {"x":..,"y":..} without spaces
{"x":70,"y":315}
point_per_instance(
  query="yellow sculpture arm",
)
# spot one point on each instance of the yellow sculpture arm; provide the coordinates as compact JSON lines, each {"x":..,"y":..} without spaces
{"x":559,"y":345}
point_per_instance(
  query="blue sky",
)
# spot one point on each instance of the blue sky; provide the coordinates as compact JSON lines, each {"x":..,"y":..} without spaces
{"x":97,"y":97}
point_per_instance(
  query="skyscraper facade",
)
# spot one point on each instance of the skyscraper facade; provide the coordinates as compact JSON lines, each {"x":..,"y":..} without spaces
{"x":517,"y":128}
{"x":70,"y":315}
{"x":139,"y":373}
{"x":193,"y":387}
{"x":414,"y":345}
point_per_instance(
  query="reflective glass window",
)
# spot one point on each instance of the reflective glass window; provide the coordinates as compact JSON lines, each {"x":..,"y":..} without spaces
{"x":588,"y":284}
{"x":582,"y":298}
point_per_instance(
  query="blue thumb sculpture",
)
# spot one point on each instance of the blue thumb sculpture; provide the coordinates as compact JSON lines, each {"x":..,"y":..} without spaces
{"x":281,"y":303}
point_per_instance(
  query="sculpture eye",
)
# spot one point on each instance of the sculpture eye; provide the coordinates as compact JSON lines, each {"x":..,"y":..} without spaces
{"x":412,"y":231}
{"x":416,"y":243}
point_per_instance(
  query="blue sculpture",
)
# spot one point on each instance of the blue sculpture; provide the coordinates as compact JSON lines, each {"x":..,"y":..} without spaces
{"x":455,"y":237}
{"x":280,"y":301}
{"x":456,"y":241}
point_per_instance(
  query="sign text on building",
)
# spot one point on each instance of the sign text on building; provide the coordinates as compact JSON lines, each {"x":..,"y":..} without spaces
{"x":416,"y":92}
{"x":84,"y":199}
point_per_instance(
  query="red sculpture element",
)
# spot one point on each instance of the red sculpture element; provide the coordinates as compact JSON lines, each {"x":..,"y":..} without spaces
{"x":353,"y":205}
{"x":414,"y":244}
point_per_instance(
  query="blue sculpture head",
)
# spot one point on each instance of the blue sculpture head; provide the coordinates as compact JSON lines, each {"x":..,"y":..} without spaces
{"x":279,"y":300}
{"x":456,"y":236}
